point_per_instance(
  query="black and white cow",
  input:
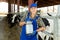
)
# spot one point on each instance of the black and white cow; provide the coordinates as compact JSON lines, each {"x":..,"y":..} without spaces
{"x":46,"y":22}
{"x":13,"y":19}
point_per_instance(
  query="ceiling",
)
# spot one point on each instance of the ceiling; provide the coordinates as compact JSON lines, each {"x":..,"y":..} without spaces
{"x":41,"y":3}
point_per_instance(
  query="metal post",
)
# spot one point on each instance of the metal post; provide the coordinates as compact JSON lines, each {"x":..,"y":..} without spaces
{"x":29,"y":3}
{"x":9,"y":6}
{"x":18,"y":3}
{"x":56,"y":25}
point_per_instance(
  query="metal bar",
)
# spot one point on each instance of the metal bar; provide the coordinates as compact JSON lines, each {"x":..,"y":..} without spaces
{"x":29,"y":3}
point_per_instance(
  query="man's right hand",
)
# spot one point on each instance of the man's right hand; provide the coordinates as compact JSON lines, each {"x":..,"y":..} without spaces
{"x":41,"y":29}
{"x":22,"y":23}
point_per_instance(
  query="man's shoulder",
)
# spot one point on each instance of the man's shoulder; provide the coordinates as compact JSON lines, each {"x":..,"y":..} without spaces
{"x":37,"y":16}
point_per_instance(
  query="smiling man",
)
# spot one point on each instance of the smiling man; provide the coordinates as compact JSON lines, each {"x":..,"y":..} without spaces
{"x":32,"y":27}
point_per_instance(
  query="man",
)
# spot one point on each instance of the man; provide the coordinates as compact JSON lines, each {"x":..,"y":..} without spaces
{"x":31,"y":16}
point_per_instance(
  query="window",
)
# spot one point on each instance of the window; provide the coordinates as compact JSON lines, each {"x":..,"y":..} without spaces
{"x":3,"y":7}
{"x":50,"y":9}
{"x":55,"y":8}
{"x":15,"y":8}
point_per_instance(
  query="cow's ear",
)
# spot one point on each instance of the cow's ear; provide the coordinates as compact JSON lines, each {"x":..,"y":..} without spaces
{"x":46,"y":22}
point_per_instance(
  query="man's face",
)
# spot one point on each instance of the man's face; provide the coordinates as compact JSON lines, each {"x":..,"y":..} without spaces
{"x":33,"y":10}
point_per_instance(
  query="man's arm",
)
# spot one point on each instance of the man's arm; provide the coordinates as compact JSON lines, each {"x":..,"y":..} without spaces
{"x":41,"y":29}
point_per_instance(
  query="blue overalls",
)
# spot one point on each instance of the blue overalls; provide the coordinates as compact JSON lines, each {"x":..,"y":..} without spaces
{"x":23,"y":35}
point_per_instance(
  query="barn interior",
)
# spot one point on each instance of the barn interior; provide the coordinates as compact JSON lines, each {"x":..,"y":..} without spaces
{"x":49,"y":9}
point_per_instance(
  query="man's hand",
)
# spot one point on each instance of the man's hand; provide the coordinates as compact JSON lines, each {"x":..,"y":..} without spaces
{"x":41,"y":29}
{"x":22,"y":23}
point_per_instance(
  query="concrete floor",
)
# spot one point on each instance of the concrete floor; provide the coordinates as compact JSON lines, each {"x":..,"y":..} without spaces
{"x":1,"y":30}
{"x":4,"y":35}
